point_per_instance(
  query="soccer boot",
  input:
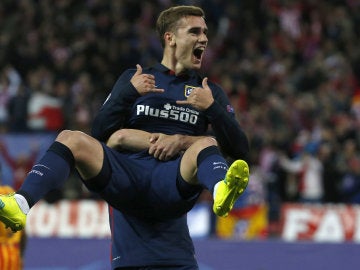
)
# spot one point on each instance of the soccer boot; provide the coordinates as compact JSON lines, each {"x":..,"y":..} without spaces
{"x":11,"y":214}
{"x":229,"y":190}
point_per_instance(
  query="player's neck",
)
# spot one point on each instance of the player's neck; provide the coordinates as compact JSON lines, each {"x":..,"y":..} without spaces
{"x":171,"y":63}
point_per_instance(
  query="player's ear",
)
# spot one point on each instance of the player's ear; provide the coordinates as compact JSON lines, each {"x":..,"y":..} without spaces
{"x":169,"y":38}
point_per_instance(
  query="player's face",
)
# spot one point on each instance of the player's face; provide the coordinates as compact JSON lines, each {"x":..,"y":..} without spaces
{"x":191,"y":41}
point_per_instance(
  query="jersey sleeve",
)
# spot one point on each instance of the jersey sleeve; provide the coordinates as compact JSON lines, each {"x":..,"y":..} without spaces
{"x":231,"y":137}
{"x":114,"y":112}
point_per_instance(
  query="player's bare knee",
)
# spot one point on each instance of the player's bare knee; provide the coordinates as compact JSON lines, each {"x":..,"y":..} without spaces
{"x":206,"y":142}
{"x":74,"y":140}
{"x":64,"y":136}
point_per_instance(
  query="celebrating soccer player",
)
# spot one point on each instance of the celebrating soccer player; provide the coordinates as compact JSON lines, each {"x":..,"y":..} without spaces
{"x":151,"y":153}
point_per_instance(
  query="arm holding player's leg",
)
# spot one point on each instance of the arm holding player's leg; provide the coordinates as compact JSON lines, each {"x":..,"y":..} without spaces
{"x":129,"y":139}
{"x":165,"y":147}
{"x":160,"y":145}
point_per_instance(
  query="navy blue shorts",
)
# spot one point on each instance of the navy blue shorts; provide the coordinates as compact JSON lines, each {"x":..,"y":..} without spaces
{"x":143,"y":186}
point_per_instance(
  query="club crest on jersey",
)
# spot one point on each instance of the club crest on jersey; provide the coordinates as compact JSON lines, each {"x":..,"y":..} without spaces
{"x":188,"y":90}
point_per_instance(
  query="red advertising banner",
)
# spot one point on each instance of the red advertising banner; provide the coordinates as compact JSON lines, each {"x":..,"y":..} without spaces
{"x":69,"y":219}
{"x":89,"y":219}
{"x":321,"y":222}
{"x":299,"y":222}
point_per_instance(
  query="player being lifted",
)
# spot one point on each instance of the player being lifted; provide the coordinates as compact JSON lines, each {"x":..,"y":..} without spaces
{"x":159,"y":156}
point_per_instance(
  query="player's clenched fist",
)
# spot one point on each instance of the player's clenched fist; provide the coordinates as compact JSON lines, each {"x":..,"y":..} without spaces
{"x":144,"y":83}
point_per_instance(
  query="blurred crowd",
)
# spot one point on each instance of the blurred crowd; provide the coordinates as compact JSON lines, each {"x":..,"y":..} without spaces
{"x":290,"y":68}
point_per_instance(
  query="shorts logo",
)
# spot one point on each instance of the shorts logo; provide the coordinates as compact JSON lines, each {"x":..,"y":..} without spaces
{"x":188,"y":90}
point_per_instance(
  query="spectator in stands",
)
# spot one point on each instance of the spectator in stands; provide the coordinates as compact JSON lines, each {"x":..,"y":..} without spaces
{"x":20,"y":165}
{"x":44,"y":107}
{"x":18,"y":110}
{"x":308,"y":171}
{"x":350,"y":182}
{"x":9,"y":84}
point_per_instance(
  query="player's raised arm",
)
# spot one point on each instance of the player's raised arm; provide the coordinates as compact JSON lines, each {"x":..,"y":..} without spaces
{"x":112,"y":115}
{"x":200,"y":98}
{"x":144,"y":83}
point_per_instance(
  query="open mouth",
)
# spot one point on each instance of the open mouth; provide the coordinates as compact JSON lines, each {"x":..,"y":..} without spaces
{"x":198,"y":52}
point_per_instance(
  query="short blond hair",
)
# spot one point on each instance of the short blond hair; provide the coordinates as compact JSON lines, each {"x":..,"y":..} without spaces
{"x":169,"y":18}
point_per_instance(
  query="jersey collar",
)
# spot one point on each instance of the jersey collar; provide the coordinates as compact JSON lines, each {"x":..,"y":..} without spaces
{"x":189,"y":73}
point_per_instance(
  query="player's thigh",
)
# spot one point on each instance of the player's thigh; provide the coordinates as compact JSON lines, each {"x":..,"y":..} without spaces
{"x":87,"y":151}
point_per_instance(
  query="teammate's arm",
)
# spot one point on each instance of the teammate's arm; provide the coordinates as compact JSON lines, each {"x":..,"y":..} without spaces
{"x":159,"y":145}
{"x":165,"y":147}
{"x":129,"y":139}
